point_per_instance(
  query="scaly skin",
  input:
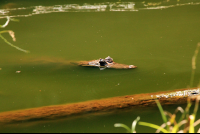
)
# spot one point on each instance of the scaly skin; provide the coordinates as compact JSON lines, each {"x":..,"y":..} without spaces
{"x":110,"y":65}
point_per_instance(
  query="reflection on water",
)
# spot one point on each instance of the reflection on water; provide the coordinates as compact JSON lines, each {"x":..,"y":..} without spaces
{"x":95,"y":7}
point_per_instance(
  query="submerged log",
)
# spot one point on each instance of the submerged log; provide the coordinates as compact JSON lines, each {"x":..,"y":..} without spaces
{"x":96,"y":106}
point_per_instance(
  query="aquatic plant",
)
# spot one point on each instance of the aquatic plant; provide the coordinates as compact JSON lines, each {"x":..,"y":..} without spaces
{"x":170,"y":125}
{"x":130,"y":130}
{"x":11,"y":33}
{"x":194,"y":64}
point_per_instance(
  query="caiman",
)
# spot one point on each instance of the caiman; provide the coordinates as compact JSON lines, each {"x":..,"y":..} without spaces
{"x":105,"y":63}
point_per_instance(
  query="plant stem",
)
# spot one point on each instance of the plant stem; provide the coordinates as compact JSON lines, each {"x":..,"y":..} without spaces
{"x":194,"y":64}
{"x":18,"y":48}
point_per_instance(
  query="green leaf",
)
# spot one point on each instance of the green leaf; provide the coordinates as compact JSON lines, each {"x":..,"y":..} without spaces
{"x":162,"y":113}
{"x":134,"y":124}
{"x":153,"y":126}
{"x":191,"y":127}
{"x":124,"y":126}
{"x":187,"y":109}
{"x":176,"y":127}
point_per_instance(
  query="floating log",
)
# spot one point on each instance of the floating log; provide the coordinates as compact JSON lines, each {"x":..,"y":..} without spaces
{"x":97,"y":106}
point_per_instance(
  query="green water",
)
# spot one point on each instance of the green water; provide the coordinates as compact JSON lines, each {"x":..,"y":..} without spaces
{"x":159,"y":39}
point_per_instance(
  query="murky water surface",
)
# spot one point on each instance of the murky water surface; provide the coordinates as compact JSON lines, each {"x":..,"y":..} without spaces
{"x":159,"y":37}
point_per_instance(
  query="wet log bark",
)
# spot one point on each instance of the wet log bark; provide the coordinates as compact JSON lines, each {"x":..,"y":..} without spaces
{"x":94,"y":106}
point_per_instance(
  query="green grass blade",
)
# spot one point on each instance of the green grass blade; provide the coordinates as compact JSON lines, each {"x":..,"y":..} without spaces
{"x":162,"y":113}
{"x":189,"y":104}
{"x":196,"y":107}
{"x":134,"y":124}
{"x":124,"y":126}
{"x":153,"y":126}
{"x":176,"y":127}
{"x":191,"y":127}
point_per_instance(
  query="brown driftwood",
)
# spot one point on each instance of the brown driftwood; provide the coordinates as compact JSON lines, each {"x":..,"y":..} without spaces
{"x":96,"y":106}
